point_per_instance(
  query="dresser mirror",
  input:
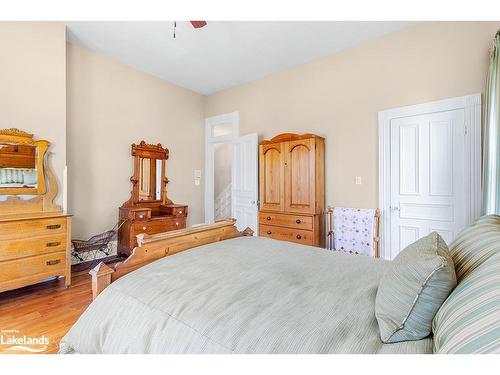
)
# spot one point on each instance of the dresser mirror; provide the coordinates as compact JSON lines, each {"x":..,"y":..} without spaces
{"x":21,"y":163}
{"x":150,"y":179}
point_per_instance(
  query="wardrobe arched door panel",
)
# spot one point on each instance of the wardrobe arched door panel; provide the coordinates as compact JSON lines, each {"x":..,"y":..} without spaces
{"x":300,"y":176}
{"x":271,"y":179}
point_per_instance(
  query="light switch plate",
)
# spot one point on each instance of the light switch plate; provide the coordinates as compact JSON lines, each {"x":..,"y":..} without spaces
{"x":197,"y":173}
{"x":358,"y":180}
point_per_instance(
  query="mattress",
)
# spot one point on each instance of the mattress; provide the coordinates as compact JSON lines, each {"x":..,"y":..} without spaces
{"x":245,"y":295}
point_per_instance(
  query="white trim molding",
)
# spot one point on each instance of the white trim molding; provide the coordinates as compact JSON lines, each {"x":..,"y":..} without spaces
{"x":232,"y":118}
{"x":471,"y":104}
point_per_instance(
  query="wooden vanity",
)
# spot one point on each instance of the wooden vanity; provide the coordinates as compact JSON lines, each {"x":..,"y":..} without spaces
{"x":148,"y":210}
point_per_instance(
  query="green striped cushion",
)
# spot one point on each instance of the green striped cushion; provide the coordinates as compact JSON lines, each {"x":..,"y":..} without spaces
{"x":488,"y":219}
{"x":475,"y":244}
{"x":469,"y":320}
{"x":412,"y":289}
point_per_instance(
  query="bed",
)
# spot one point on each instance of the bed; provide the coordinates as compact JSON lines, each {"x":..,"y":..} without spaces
{"x":213,"y":289}
{"x":240,"y":295}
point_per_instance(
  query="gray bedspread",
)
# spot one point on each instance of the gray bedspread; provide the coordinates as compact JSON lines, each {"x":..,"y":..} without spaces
{"x":246,"y":295}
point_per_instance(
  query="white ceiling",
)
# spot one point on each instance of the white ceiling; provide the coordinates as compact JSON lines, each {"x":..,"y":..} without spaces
{"x":223,"y":53}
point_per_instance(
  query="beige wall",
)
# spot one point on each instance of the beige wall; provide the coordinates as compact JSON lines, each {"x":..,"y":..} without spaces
{"x":339,"y":96}
{"x":33,"y":84}
{"x":110,"y":106}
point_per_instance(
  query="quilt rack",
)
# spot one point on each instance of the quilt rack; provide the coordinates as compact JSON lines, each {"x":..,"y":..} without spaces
{"x":330,"y":231}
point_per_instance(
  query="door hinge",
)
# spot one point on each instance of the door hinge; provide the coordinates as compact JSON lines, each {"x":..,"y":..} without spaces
{"x":465,"y":129}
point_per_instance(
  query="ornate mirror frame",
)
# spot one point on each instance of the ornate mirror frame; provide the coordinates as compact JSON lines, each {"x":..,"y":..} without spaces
{"x":153,"y":152}
{"x":16,"y":136}
{"x":46,"y":190}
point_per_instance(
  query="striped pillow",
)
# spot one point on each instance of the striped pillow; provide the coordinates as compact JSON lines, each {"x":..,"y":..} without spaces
{"x":475,"y":244}
{"x":412,"y":289}
{"x":469,"y":320}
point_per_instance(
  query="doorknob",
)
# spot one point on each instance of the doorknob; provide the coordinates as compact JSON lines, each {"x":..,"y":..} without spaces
{"x":394,"y":208}
{"x":252,"y":202}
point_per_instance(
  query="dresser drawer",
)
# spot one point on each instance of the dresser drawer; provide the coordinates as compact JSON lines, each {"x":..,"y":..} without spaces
{"x":174,"y":210}
{"x":304,"y":237}
{"x":18,"y":248}
{"x":284,"y":220}
{"x":29,"y":228}
{"x":53,"y":264}
{"x":141,"y":215}
{"x":158,"y":226}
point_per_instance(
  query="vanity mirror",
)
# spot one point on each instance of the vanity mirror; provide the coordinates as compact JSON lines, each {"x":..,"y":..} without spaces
{"x":150,"y":179}
{"x":148,"y":210}
{"x":21,"y":163}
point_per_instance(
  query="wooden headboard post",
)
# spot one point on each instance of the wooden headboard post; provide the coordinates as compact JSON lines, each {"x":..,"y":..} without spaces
{"x":160,"y":245}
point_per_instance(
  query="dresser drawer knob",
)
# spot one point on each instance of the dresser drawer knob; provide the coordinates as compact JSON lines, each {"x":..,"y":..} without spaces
{"x":269,"y":232}
{"x":143,"y":228}
{"x":141,"y":216}
{"x":52,"y":262}
{"x":54,"y":226}
{"x":52,"y":244}
{"x":298,"y":236}
{"x":298,"y":221}
{"x":177,"y":223}
{"x":180,"y":212}
{"x":268,"y":218}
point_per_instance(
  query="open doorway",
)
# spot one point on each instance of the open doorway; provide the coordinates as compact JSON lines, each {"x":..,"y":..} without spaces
{"x":223,"y":158}
{"x":231,"y":186}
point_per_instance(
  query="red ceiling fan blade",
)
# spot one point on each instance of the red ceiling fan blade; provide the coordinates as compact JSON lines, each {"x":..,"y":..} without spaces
{"x":198,"y":24}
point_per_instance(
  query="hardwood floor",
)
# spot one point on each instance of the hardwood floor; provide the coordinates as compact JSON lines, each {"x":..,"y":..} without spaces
{"x":46,"y":309}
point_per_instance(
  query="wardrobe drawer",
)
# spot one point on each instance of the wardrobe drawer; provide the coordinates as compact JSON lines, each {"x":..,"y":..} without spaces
{"x":304,"y":237}
{"x":19,"y":248}
{"x":46,"y":264}
{"x":29,"y":228}
{"x":286,"y":220}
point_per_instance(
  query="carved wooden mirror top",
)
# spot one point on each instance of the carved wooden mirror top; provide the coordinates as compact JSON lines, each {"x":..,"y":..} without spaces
{"x":149,"y":182}
{"x":21,"y":163}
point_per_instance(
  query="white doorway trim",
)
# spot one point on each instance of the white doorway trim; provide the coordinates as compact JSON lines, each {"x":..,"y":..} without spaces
{"x":211,"y":138}
{"x":471,"y":104}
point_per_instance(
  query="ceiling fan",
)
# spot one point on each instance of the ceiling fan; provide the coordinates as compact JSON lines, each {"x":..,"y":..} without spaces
{"x":198,"y":24}
{"x":195,"y":24}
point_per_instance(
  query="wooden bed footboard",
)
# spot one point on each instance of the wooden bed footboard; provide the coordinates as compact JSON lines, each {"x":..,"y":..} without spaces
{"x":160,"y":245}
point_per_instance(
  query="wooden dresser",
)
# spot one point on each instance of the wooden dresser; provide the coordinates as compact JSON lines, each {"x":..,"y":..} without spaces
{"x":148,"y":210}
{"x":146,"y":220}
{"x":34,"y":247}
{"x":35,"y":235}
{"x":291,"y":184}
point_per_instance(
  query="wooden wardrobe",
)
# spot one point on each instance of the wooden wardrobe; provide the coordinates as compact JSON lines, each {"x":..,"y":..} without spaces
{"x":292,"y":188}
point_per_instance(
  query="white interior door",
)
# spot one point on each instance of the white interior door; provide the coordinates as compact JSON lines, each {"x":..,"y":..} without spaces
{"x":245,"y":181}
{"x":427,"y":176}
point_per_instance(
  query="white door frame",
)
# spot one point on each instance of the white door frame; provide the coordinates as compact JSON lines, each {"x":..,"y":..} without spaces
{"x":471,"y":104}
{"x":232,"y":118}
